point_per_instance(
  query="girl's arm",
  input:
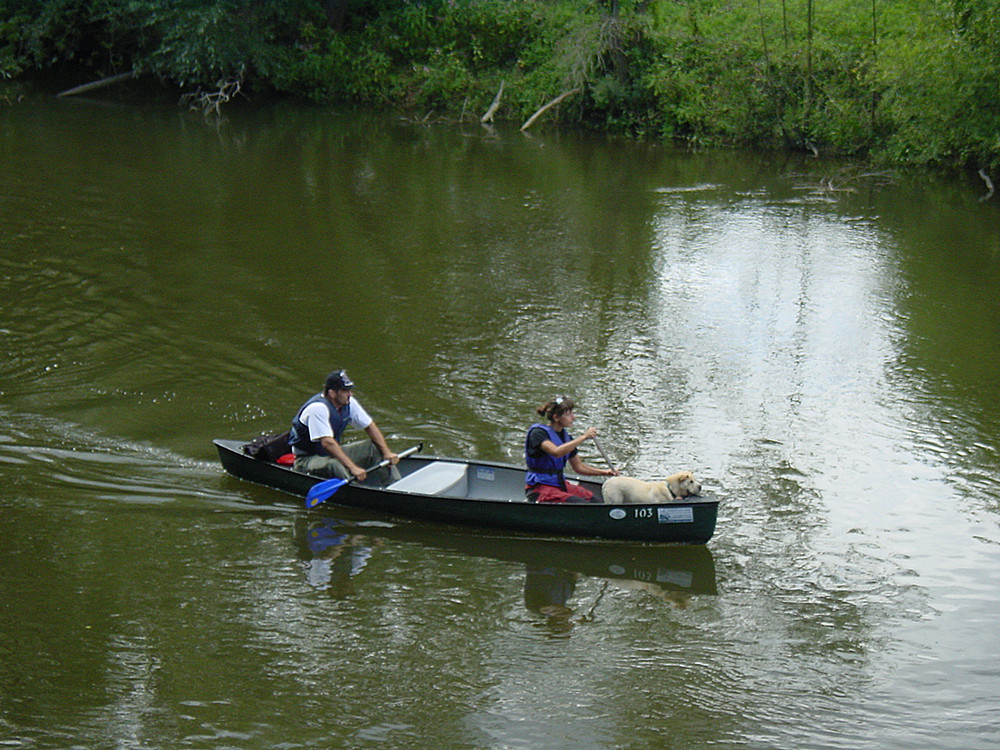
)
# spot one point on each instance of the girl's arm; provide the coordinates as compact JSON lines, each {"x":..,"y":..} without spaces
{"x":561,"y":450}
{"x":592,"y":471}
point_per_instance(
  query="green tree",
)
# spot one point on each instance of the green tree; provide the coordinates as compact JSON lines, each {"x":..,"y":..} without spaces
{"x":906,"y":80}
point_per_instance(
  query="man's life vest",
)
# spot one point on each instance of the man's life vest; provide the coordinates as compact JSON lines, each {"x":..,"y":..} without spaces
{"x":298,"y":437}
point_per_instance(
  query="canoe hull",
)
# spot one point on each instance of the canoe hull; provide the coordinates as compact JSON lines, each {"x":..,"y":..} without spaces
{"x":493,"y":499}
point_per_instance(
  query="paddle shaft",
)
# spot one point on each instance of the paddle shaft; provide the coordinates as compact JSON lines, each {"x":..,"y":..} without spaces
{"x":326,"y":489}
{"x":604,"y":455}
{"x":387,"y":461}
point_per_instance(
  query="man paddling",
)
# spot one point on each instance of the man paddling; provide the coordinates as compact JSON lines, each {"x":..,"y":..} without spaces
{"x":317,"y":429}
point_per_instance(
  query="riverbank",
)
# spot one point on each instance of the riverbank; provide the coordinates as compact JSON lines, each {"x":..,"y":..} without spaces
{"x":910,"y":84}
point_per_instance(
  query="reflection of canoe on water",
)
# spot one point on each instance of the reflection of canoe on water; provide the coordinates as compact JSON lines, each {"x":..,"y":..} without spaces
{"x":679,"y":567}
{"x":490,"y":496}
{"x":683,"y":568}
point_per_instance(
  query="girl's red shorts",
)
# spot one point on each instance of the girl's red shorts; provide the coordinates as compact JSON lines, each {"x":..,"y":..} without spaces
{"x":546,"y":493}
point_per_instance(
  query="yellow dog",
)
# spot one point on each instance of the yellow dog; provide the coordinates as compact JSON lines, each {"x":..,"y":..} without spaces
{"x":623,"y":490}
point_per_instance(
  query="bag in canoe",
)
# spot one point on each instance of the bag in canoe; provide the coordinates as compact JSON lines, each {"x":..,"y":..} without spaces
{"x":268,"y":447}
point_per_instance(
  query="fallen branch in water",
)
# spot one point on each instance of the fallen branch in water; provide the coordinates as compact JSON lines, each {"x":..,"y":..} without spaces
{"x":212,"y":101}
{"x":545,"y":108}
{"x":830,"y":187}
{"x":989,"y":185}
{"x":488,"y":117}
{"x":94,"y":85}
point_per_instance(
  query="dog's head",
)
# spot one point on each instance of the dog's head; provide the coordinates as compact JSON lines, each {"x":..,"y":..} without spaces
{"x":683,"y":484}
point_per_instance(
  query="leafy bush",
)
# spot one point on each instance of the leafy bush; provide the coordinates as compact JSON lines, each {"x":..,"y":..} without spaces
{"x":908,"y":80}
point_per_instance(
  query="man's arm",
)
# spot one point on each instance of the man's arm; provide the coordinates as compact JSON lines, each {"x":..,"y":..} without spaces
{"x":376,"y":436}
{"x":333,"y":448}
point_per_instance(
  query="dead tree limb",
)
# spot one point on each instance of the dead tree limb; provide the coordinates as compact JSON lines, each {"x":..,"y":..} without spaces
{"x":93,"y":85}
{"x":545,"y":108}
{"x":212,"y":101}
{"x":989,"y":185}
{"x":488,"y":117}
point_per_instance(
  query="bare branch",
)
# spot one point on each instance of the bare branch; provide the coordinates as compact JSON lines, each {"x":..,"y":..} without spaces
{"x":545,"y":108}
{"x":989,"y":185}
{"x":488,"y":117}
{"x":93,"y":85}
{"x":211,"y":101}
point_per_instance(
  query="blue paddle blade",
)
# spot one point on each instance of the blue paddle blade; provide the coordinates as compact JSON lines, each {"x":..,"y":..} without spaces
{"x":323,"y":490}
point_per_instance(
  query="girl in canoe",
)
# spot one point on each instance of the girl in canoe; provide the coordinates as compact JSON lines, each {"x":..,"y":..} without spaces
{"x":547,"y":450}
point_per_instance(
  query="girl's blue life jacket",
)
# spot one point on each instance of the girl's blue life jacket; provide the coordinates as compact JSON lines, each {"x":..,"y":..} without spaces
{"x":546,"y":469}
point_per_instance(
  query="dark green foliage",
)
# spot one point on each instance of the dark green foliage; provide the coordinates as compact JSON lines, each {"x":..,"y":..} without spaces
{"x":906,"y":80}
{"x":183,"y":42}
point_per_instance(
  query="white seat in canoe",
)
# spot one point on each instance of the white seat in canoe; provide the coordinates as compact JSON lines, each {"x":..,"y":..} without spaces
{"x":437,"y":478}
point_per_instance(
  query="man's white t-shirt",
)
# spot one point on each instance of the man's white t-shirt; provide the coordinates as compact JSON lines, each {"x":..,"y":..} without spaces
{"x":316,"y":418}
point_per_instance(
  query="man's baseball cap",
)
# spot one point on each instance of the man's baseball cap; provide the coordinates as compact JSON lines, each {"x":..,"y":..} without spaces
{"x":338,"y":381}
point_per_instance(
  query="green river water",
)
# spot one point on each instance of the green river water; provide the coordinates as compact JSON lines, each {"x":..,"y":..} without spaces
{"x":818,"y":345}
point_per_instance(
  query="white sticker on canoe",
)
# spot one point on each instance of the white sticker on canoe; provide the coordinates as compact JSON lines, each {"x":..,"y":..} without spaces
{"x":487,"y":475}
{"x":677,"y":577}
{"x":684,"y":514}
{"x":617,"y":514}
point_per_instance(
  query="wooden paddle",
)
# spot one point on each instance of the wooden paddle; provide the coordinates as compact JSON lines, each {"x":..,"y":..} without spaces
{"x":322,"y":491}
{"x":604,"y":455}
